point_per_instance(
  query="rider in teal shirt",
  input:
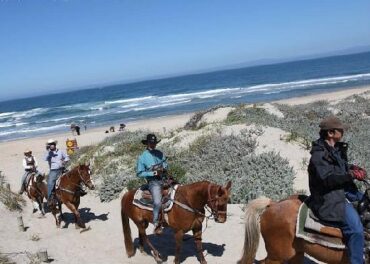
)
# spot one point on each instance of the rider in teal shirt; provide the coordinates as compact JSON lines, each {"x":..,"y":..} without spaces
{"x":151,"y":165}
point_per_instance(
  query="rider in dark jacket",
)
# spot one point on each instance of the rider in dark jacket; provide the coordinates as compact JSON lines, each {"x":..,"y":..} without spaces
{"x":331,"y":184}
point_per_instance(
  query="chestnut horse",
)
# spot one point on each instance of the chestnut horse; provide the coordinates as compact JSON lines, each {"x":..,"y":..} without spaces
{"x":68,"y":193}
{"x":276,"y":221}
{"x":37,"y":190}
{"x":186,"y":214}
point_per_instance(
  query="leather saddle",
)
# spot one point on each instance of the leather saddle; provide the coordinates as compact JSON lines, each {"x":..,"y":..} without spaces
{"x":147,"y":198}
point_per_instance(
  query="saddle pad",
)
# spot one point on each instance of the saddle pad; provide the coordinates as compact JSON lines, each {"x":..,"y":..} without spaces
{"x":166,"y":206}
{"x":313,"y":236}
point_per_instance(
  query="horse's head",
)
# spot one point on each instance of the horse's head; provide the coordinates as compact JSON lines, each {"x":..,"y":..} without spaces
{"x":218,"y":197}
{"x":85,"y":175}
{"x":40,"y":177}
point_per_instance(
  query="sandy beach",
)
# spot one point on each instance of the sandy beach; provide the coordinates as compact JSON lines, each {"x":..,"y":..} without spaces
{"x":104,"y":243}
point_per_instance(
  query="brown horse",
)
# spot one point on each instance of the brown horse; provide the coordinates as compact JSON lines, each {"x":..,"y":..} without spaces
{"x":37,"y":190}
{"x":68,"y":193}
{"x":187,"y":214}
{"x":276,"y":221}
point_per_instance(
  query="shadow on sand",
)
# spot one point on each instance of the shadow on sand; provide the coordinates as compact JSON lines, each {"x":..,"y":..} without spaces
{"x":85,"y":214}
{"x":165,"y":244}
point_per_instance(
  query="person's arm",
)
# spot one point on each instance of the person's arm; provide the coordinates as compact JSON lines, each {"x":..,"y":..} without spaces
{"x":36,"y":164}
{"x":65,"y":156}
{"x":25,"y":166}
{"x":141,"y":170}
{"x":330,"y":177}
{"x":165,"y":164}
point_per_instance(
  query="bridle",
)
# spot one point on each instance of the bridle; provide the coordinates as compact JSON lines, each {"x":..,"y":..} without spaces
{"x":213,"y":202}
{"x":81,"y":178}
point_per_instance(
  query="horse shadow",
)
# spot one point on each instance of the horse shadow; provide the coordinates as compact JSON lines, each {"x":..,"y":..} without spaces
{"x":165,"y":244}
{"x":86,"y":216}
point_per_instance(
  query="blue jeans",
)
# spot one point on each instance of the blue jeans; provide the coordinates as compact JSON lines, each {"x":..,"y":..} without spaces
{"x":353,"y":231}
{"x":155,"y":188}
{"x":53,"y":177}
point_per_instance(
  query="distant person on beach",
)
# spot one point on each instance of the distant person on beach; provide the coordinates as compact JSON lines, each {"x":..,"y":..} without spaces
{"x":77,"y":128}
{"x":121,"y":127}
{"x":30,"y":166}
{"x":57,"y":160}
{"x":151,"y":165}
{"x":111,"y":129}
{"x":332,"y":187}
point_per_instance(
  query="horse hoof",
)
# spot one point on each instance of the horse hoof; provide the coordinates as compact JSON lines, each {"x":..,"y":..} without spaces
{"x":85,"y":229}
{"x":77,"y":226}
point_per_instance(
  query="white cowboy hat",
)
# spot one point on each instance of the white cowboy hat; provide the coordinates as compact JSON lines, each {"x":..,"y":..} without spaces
{"x":27,"y":151}
{"x":52,"y":141}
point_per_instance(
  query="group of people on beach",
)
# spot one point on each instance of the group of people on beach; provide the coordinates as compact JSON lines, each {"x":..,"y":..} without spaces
{"x":330,"y":180}
{"x":56,"y":159}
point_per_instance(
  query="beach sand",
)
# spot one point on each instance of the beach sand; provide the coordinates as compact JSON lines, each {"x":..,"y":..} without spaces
{"x":104,"y":242}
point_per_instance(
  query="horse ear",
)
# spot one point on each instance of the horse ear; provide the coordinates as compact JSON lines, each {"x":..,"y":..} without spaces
{"x":87,"y":163}
{"x":228,"y":185}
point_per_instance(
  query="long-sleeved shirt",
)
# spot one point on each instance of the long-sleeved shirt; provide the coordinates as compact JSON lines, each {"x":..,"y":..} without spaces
{"x":147,"y":160}
{"x":56,"y":159}
{"x":28,"y":160}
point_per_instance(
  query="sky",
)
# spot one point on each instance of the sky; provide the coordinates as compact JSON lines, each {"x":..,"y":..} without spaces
{"x":51,"y":46}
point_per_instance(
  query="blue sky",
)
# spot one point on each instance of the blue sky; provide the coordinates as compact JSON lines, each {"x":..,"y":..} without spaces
{"x":50,"y":46}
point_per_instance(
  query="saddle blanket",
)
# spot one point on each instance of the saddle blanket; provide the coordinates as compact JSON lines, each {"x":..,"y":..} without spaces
{"x":308,"y":229}
{"x":146,"y":204}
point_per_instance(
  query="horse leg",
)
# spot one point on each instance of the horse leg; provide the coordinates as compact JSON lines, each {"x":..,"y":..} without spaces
{"x":155,"y":252}
{"x":73,"y":209}
{"x":197,"y":233}
{"x":178,"y":237}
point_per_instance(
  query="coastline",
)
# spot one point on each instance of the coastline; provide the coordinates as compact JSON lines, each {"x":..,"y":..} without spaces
{"x":108,"y":248}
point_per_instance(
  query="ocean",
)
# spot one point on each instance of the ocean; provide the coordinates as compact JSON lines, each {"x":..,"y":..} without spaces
{"x":124,"y":103}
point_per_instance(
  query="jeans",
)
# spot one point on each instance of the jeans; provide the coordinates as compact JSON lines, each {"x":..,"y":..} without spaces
{"x":155,"y":188}
{"x":353,"y":231}
{"x":23,"y":179}
{"x":53,"y":177}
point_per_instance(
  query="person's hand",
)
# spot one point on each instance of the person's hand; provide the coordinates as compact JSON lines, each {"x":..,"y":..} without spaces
{"x":359,"y":175}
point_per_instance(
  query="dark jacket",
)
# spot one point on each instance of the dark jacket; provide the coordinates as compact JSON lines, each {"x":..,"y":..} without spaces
{"x":329,"y":179}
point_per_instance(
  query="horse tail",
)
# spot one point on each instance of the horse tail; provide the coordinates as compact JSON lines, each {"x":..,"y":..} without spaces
{"x":129,"y":245}
{"x":253,"y":212}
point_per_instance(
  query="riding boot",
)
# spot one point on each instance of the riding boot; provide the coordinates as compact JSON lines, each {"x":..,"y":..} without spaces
{"x":81,"y":191}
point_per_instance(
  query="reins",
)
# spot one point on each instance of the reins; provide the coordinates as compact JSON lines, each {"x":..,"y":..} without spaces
{"x":79,"y":174}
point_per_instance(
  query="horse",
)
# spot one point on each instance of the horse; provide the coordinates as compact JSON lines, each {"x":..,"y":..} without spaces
{"x":68,"y":193}
{"x":186,"y":214}
{"x":276,"y":221}
{"x":37,"y":190}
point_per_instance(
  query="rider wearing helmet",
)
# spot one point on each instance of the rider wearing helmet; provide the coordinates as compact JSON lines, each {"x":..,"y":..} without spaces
{"x":151,"y":165}
{"x":57,"y":160}
{"x":29,"y":165}
{"x":331,"y":184}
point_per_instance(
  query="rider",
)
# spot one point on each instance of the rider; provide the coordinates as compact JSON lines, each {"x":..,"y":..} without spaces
{"x":331,"y":182}
{"x":57,"y":160}
{"x":30,"y":165}
{"x":151,"y":165}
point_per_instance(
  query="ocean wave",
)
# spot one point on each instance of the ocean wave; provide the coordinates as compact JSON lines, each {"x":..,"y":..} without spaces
{"x":32,"y":130}
{"x":160,"y":105}
{"x":129,"y":100}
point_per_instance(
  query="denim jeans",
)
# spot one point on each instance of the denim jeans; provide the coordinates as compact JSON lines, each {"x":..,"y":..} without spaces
{"x":353,"y":230}
{"x":53,"y":177}
{"x":23,"y":179}
{"x":155,"y":188}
